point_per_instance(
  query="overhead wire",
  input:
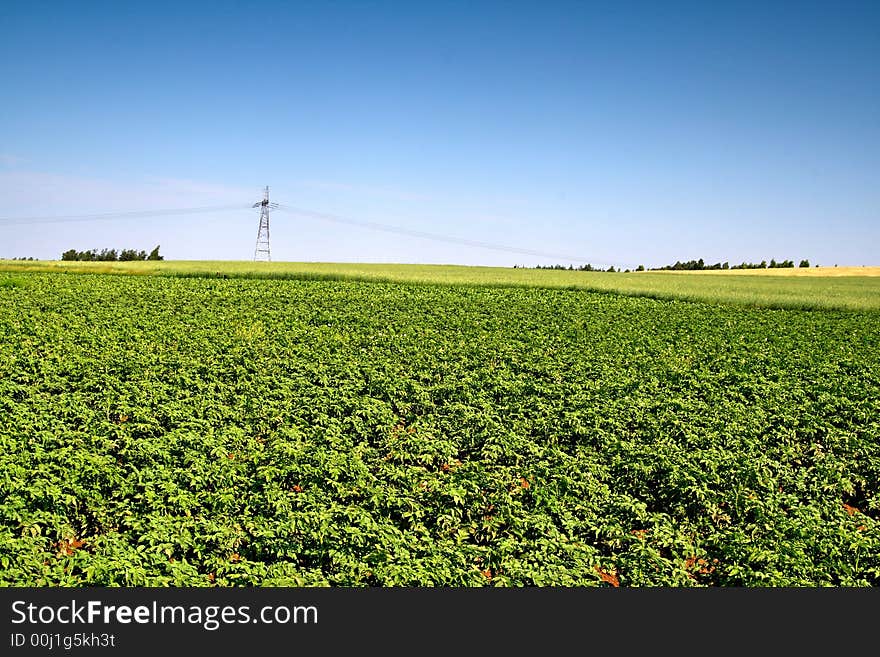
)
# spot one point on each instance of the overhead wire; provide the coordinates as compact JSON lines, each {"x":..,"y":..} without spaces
{"x":409,"y":232}
{"x":128,"y":214}
{"x":325,"y":216}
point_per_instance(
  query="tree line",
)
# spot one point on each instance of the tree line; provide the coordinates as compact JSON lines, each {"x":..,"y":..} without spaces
{"x":111,"y":255}
{"x":690,"y":265}
{"x":697,"y":265}
{"x":586,"y":267}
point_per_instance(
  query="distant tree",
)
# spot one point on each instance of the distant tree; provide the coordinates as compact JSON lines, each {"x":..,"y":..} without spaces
{"x":109,"y":255}
{"x":726,"y":265}
{"x":127,"y":255}
{"x":611,"y":269}
{"x":640,"y":268}
{"x":154,"y":255}
{"x":804,"y":263}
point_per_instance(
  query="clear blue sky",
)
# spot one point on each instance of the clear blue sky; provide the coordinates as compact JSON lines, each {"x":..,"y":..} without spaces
{"x":623,"y":133}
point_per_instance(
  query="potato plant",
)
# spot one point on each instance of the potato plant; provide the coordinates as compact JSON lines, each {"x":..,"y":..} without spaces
{"x":197,"y":432}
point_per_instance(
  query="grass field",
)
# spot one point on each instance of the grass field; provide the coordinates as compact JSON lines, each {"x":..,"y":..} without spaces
{"x":841,"y":288}
{"x":161,"y":430}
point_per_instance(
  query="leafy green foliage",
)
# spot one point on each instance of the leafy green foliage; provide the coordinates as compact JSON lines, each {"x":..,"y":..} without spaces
{"x":195,"y":431}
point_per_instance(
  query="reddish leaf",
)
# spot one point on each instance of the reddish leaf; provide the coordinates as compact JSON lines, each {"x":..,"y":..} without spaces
{"x":610,"y":578}
{"x":705,"y":568}
{"x":68,"y":546}
{"x":701,"y":565}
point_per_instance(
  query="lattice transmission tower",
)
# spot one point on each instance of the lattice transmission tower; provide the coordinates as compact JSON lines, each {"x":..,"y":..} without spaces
{"x":261,"y":251}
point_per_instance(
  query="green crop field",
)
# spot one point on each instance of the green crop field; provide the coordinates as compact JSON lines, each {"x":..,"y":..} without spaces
{"x":845,"y":288}
{"x":162,"y":430}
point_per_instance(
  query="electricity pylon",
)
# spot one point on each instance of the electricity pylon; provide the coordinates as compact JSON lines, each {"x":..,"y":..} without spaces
{"x":261,"y":251}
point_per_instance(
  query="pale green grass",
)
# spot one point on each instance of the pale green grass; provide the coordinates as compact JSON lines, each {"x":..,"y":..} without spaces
{"x":857,"y":289}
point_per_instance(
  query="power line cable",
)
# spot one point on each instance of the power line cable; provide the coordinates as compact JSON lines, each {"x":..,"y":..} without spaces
{"x":374,"y":225}
{"x":437,"y":237}
{"x":103,"y":216}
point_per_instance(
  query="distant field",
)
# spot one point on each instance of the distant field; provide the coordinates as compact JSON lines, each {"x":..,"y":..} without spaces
{"x":831,"y":288}
{"x":813,"y":272}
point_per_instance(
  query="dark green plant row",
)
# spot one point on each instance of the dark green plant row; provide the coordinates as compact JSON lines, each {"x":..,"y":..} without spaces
{"x":174,"y":431}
